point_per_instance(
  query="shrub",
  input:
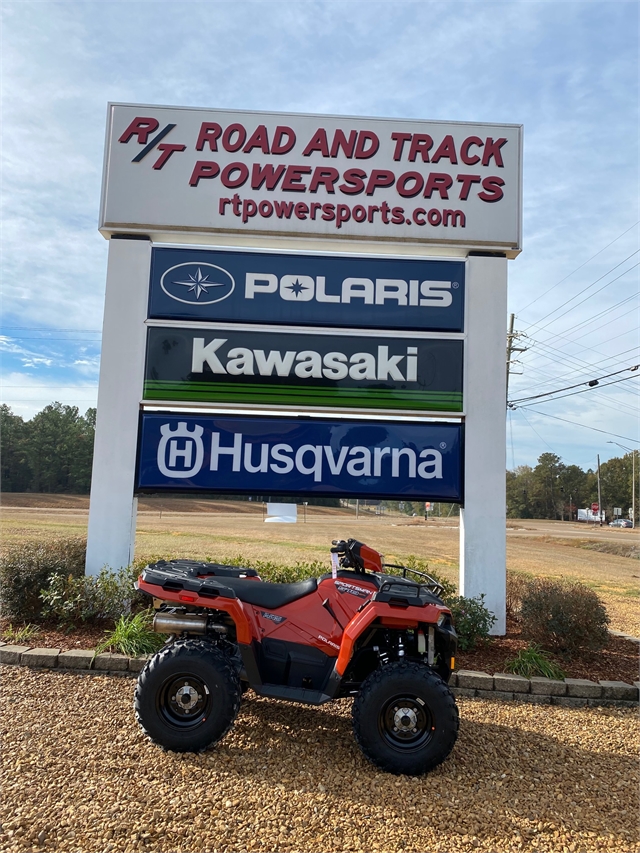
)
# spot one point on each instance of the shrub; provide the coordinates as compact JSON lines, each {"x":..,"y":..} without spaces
{"x":472,"y":620}
{"x":132,"y":636}
{"x":70,"y":599}
{"x":534,"y":661}
{"x":449,"y":588}
{"x":517,"y":586}
{"x":276,"y":572}
{"x":26,"y":568}
{"x":564,"y":617}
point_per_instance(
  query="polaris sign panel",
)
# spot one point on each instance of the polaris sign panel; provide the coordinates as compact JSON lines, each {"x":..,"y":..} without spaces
{"x":270,"y":456}
{"x":314,"y":369}
{"x":307,"y":290}
{"x":179,"y":169}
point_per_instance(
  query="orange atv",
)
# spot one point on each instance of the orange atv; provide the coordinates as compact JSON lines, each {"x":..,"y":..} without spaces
{"x":384,"y":639}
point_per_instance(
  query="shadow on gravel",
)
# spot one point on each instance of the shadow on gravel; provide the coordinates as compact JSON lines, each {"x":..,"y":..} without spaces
{"x":496,"y":773}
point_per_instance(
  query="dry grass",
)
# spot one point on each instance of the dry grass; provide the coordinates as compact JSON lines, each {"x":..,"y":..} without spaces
{"x":225,"y":529}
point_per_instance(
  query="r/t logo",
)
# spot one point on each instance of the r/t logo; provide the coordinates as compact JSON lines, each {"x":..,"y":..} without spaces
{"x":142,"y":127}
{"x":169,"y":451}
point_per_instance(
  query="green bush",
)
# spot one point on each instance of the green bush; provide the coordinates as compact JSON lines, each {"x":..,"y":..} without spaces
{"x":275,"y":572}
{"x":26,"y":568}
{"x":517,"y":585}
{"x":472,"y":620}
{"x":70,"y":599}
{"x":534,"y":661}
{"x":133,"y":636}
{"x":449,"y":588}
{"x":564,"y":617}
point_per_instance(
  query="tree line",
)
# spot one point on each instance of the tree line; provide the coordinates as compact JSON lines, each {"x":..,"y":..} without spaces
{"x":552,"y":489}
{"x":53,"y":452}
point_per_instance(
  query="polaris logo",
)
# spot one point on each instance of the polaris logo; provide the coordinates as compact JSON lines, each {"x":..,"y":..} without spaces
{"x":363,"y":291}
{"x":306,"y":364}
{"x":197,"y":283}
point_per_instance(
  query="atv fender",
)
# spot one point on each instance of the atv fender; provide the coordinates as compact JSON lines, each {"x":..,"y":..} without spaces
{"x":407,"y":617}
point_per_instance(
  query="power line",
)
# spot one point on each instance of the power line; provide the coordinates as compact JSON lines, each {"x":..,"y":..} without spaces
{"x":584,"y":426}
{"x":586,"y":299}
{"x":592,"y":382}
{"x":600,"y":364}
{"x":584,"y":390}
{"x":578,"y":268}
{"x":34,"y":329}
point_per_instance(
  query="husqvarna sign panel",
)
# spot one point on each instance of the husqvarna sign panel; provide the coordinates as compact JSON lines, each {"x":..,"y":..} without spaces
{"x":311,"y":368}
{"x":309,"y":290}
{"x":247,"y":455}
{"x":179,"y":169}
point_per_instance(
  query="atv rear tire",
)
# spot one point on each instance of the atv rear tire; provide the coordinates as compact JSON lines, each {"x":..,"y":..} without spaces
{"x":405,"y":718}
{"x":187,"y":696}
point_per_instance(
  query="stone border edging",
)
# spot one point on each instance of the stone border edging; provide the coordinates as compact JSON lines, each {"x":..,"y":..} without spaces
{"x":503,"y":687}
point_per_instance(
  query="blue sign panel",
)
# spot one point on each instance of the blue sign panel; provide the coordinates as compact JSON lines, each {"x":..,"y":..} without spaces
{"x":307,"y":290}
{"x":270,"y":456}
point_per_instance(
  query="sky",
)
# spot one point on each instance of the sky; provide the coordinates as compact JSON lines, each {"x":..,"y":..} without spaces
{"x":567,"y":71}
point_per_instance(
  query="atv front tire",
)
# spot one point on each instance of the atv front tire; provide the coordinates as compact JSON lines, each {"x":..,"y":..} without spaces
{"x":405,"y":718}
{"x":187,"y":696}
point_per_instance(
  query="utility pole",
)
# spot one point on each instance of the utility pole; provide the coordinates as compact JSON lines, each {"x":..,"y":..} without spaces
{"x":599,"y":494}
{"x":511,"y":338}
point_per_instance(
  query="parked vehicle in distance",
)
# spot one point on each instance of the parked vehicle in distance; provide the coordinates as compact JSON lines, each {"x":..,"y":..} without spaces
{"x":620,"y":522}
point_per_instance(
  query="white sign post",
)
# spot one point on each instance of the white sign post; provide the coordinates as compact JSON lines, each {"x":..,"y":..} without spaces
{"x":310,"y":184}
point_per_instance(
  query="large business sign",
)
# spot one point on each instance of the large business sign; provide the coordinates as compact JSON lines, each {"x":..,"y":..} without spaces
{"x":313,"y":369}
{"x":308,"y":290}
{"x":177,"y":169}
{"x":268,"y":456}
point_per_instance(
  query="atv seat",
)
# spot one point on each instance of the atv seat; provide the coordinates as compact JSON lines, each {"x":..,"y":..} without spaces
{"x":270,"y":595}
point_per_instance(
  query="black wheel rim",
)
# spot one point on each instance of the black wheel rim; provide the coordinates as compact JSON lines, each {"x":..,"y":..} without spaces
{"x":406,"y":723}
{"x":184,"y":701}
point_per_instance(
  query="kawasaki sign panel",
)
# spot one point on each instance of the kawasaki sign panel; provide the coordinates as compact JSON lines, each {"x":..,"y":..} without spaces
{"x":171,"y":169}
{"x":308,"y":290}
{"x":246,"y":455}
{"x":313,"y":369}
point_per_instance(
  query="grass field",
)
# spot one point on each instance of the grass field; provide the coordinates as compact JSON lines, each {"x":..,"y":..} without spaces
{"x":603,"y":558}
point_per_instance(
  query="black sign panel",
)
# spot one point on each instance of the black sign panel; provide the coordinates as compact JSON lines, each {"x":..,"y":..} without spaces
{"x":303,"y":369}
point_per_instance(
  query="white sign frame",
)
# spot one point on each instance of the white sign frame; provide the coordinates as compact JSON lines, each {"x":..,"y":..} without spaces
{"x":467,"y":182}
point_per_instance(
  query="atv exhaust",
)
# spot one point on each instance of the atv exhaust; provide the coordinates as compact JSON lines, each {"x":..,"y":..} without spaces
{"x":180,"y":623}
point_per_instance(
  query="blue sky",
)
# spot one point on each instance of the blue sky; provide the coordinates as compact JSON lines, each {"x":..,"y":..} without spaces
{"x":568,"y":71}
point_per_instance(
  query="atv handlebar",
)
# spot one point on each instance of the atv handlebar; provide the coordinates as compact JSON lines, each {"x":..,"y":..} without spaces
{"x":354,"y":555}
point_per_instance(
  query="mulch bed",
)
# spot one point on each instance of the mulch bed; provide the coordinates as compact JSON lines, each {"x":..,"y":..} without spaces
{"x":618,"y":661}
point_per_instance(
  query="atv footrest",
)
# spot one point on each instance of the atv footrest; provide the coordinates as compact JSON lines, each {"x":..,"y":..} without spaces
{"x":293,"y":694}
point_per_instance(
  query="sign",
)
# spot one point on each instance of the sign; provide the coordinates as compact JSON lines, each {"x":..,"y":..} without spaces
{"x":181,"y":169}
{"x":270,"y":456}
{"x":594,"y":507}
{"x":309,"y":290}
{"x":277,"y":367}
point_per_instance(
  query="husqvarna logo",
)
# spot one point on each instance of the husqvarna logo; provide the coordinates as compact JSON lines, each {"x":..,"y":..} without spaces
{"x":197,"y":283}
{"x":180,"y":451}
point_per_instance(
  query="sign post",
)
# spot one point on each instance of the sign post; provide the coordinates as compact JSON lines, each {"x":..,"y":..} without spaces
{"x":350,"y":270}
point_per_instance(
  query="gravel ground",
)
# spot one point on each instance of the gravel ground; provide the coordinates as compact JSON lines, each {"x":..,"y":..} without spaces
{"x":79,"y":776}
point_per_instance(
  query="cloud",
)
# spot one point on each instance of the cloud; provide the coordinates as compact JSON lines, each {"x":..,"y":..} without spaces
{"x":567,"y":71}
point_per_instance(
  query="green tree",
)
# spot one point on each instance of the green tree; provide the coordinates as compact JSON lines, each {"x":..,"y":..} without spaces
{"x":520,"y":492}
{"x":547,"y":496}
{"x":575,"y":487}
{"x":15,"y":470}
{"x":60,"y":449}
{"x":616,"y":482}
